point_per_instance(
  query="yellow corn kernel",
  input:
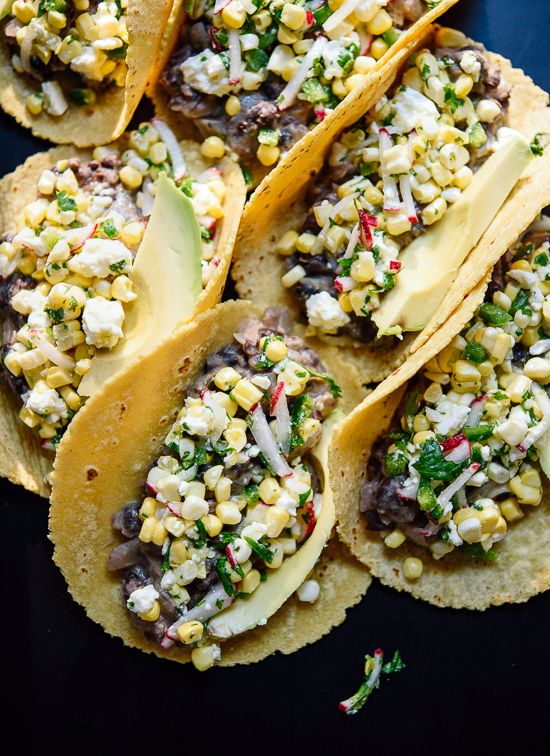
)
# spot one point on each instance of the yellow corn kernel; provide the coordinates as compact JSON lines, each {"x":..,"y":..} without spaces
{"x":178,"y":551}
{"x":213,"y":148}
{"x":421,"y":423}
{"x":538,"y":369}
{"x":228,"y":513}
{"x":232,"y":106}
{"x":463,"y":85}
{"x":276,"y":350}
{"x":465,"y":514}
{"x":293,"y":16}
{"x":56,"y":377}
{"x":47,"y":431}
{"x":466,"y":372}
{"x":378,"y":48}
{"x":345,"y":304}
{"x":394,"y":539}
{"x":246,"y":394}
{"x":380,"y":23}
{"x":159,"y":533}
{"x":287,"y":243}
{"x":31,"y":359}
{"x":434,"y":211}
{"x":226,"y":378}
{"x":531,"y":477}
{"x":71,"y":398}
{"x":278,"y":555}
{"x":130,"y":177}
{"x":190,"y":632}
{"x":148,"y":508}
{"x":510,"y":509}
{"x":310,"y":426}
{"x":235,"y":436}
{"x":152,"y":615}
{"x":339,"y":88}
{"x":286,"y":36}
{"x":34,"y":104}
{"x":412,"y":568}
{"x":205,"y":657}
{"x":29,"y":418}
{"x":447,"y":37}
{"x":363,"y":64}
{"x":363,"y":269}
{"x":262,"y":19}
{"x":268,"y":155}
{"x":148,"y":529}
{"x":269,"y":490}
{"x":501,"y":527}
{"x":488,"y":518}
{"x":223,"y":489}
{"x":525,"y":494}
{"x":276,"y":519}
{"x":419,"y":438}
{"x":250,"y":582}
{"x":212,"y":524}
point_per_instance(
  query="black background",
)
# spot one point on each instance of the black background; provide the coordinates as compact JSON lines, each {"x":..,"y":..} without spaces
{"x":474,"y":683}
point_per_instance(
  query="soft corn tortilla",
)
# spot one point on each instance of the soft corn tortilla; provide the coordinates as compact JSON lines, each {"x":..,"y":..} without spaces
{"x":278,"y":205}
{"x":21,"y":459}
{"x":97,"y":473}
{"x":185,"y":128}
{"x":107,"y":119}
{"x":523,"y":566}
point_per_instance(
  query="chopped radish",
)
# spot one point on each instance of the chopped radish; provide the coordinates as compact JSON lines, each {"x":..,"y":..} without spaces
{"x":406,"y":196}
{"x":460,"y":451}
{"x":391,"y":195}
{"x":395,"y":265}
{"x":231,"y":555}
{"x":344,"y":283}
{"x":367,"y":222}
{"x":279,"y":409}
{"x":265,"y":440}
{"x":214,"y":602}
{"x":290,"y":92}
{"x":234,"y":56}
{"x":447,"y":494}
{"x":215,"y":44}
{"x":173,"y":147}
{"x":476,"y":409}
{"x":50,"y":351}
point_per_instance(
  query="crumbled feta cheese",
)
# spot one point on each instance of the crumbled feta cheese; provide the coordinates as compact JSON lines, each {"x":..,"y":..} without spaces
{"x":413,"y":109}
{"x":285,"y":501}
{"x":143,"y":599}
{"x":447,"y":416}
{"x":513,"y":430}
{"x":102,"y":322}
{"x":324,"y":312}
{"x":470,"y":64}
{"x":27,"y":301}
{"x":452,"y":530}
{"x":206,"y":73}
{"x":100,"y":258}
{"x":309,"y":591}
{"x":45,"y":401}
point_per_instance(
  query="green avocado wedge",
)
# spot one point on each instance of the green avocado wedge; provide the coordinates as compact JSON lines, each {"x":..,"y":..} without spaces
{"x":167,"y":280}
{"x":432,"y":261}
{"x":245,"y":614}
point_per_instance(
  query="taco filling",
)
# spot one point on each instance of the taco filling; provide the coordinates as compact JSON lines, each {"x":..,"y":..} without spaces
{"x":460,"y":462}
{"x":72,"y":51}
{"x":255,"y":76}
{"x":66,"y":273}
{"x":234,"y":493}
{"x":388,"y":179}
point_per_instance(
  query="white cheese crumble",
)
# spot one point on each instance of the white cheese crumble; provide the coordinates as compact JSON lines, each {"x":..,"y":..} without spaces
{"x":45,"y":401}
{"x":102,"y":322}
{"x":143,"y":599}
{"x":325,"y":312}
{"x":309,"y":591}
{"x":206,"y":73}
{"x":97,"y":257}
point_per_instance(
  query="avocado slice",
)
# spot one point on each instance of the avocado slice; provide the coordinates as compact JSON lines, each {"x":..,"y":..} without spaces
{"x":245,"y":614}
{"x":5,"y":8}
{"x":431,"y":262}
{"x":167,"y":279}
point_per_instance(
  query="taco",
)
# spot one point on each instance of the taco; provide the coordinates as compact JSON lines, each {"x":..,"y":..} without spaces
{"x":77,"y":303}
{"x":253,"y":78}
{"x":446,"y":497}
{"x":75,"y":71}
{"x":217,"y":510}
{"x":372,"y":245}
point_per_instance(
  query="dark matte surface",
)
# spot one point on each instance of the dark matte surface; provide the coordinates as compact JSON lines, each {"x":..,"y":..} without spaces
{"x":475,"y":683}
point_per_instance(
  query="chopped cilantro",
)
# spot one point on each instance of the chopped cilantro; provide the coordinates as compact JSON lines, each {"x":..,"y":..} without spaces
{"x":55,"y":6}
{"x":117,"y":267}
{"x":374,"y":669}
{"x":453,"y":101}
{"x":108,"y":228}
{"x":521,"y":303}
{"x":64,"y":202}
{"x":82,"y":96}
{"x":258,"y":548}
{"x":474,"y":352}
{"x":476,"y":551}
{"x":55,"y":314}
{"x":536,"y":147}
{"x":396,"y":463}
{"x":432,"y":465}
{"x":256,"y":59}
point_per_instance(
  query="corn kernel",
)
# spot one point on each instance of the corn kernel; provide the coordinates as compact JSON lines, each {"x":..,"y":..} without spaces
{"x":130,"y":177}
{"x":56,"y":377}
{"x":276,"y":519}
{"x":132,"y":232}
{"x":276,"y":350}
{"x":538,"y":369}
{"x":213,"y":525}
{"x":148,"y":529}
{"x":34,"y":104}
{"x":412,"y":568}
{"x":160,"y":533}
{"x":363,"y":64}
{"x":226,"y":378}
{"x":152,"y":615}
{"x":287,"y":243}
{"x":228,"y":513}
{"x":510,"y":509}
{"x":205,"y":657}
{"x":213,"y":148}
{"x":525,"y":494}
{"x":531,"y":477}
{"x":223,"y":489}
{"x":434,"y":211}
{"x":380,"y":23}
{"x":394,"y":539}
{"x":488,"y":518}
{"x":71,"y":398}
{"x":232,"y":105}
{"x":179,"y":552}
{"x":269,"y":490}
{"x":246,"y":394}
{"x":268,"y":155}
{"x":250,"y":582}
{"x":194,"y":507}
{"x":190,"y":632}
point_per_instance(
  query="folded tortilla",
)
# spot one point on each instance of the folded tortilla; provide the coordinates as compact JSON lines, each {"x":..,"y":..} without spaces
{"x":96,"y":473}
{"x":333,"y":122}
{"x":107,"y":119}
{"x":278,"y":206}
{"x":22,"y":460}
{"x":523,"y":566}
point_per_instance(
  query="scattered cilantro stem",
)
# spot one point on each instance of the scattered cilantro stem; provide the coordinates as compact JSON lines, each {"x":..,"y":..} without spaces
{"x":374,"y":669}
